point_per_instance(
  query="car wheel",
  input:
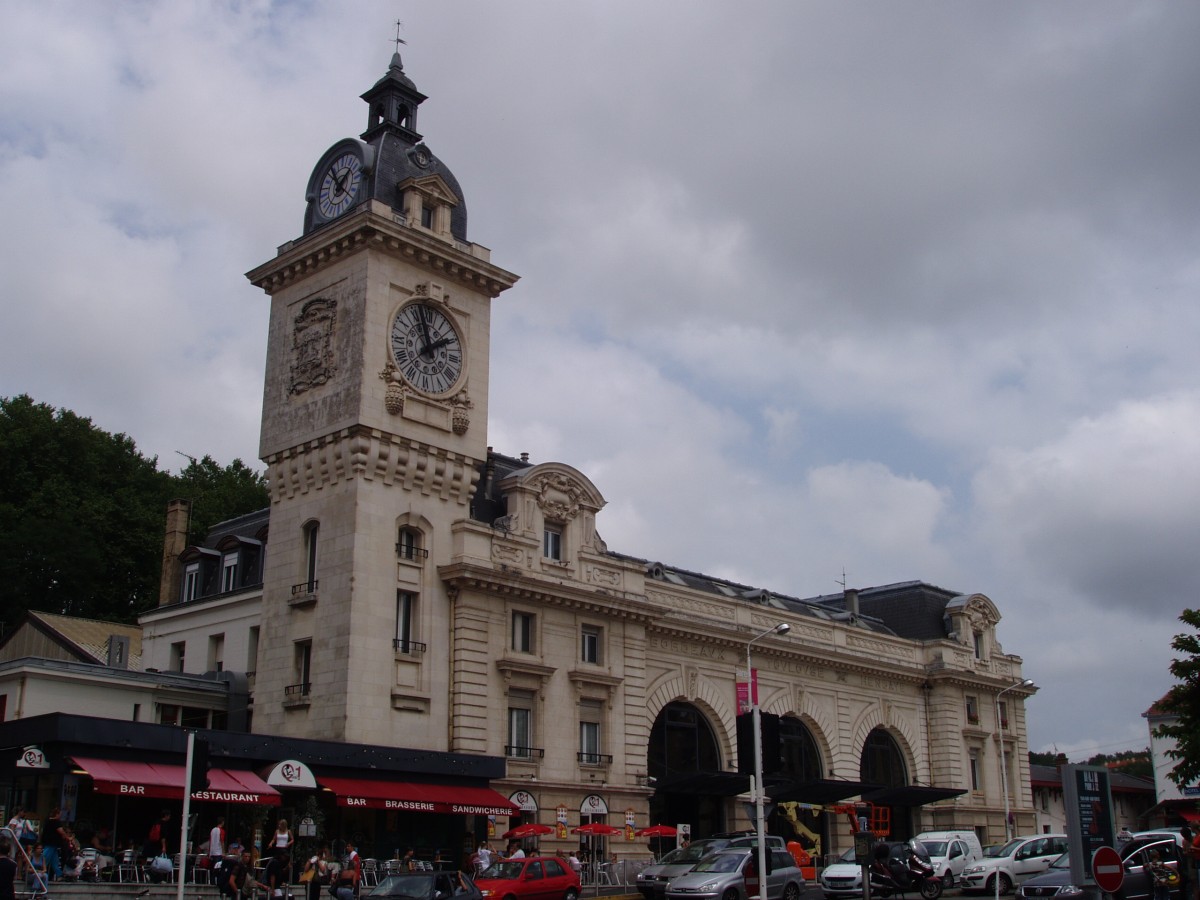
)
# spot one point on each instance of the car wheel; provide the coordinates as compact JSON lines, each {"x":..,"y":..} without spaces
{"x":791,"y":892}
{"x":731,"y":894}
{"x":571,"y":894}
{"x":948,"y":880}
{"x":1005,"y":884}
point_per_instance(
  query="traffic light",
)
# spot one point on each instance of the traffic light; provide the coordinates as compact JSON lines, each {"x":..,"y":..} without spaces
{"x":199,"y":780}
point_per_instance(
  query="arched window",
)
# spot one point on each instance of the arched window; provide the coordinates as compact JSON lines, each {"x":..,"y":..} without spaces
{"x":798,"y":752}
{"x":408,"y":544}
{"x":882,"y":762}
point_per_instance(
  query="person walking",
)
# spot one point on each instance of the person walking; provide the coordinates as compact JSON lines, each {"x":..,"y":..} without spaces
{"x":8,"y":870}
{"x":216,"y":840}
{"x":350,"y":875}
{"x":54,"y":839}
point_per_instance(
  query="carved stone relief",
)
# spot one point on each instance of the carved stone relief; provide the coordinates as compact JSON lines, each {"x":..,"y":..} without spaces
{"x":558,"y":496}
{"x":313,"y":360}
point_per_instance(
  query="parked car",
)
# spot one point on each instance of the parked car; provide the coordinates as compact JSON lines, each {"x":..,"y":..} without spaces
{"x":843,"y":878}
{"x":722,"y":876}
{"x":1056,"y":881}
{"x":950,"y":852}
{"x":428,"y":886}
{"x":1021,"y":858}
{"x":533,"y":878}
{"x":652,"y":881}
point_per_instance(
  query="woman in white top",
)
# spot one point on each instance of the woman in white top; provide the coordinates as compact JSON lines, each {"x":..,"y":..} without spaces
{"x":283,"y":836}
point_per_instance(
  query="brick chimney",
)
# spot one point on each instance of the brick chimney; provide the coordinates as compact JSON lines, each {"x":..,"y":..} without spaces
{"x":174,"y":543}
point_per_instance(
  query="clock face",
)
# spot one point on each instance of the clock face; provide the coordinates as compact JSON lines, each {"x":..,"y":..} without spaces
{"x":340,"y":185}
{"x":427,"y":348}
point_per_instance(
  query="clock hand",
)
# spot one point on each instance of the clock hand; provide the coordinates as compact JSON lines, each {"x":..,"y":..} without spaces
{"x":340,"y":182}
{"x":442,"y":343}
{"x":421,"y":314}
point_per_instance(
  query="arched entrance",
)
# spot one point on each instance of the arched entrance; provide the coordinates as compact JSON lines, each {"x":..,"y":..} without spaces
{"x":800,"y":761}
{"x":685,"y":762}
{"x":882,"y":763}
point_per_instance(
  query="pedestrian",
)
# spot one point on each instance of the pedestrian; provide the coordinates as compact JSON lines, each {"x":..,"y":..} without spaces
{"x":216,"y":840}
{"x":278,"y":873}
{"x":8,"y":870}
{"x":1162,"y":877}
{"x":54,"y":841}
{"x":1185,"y":868}
{"x":350,"y":875}
{"x":316,"y":873}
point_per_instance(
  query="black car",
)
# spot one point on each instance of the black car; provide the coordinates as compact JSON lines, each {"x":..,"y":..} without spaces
{"x":1056,"y":881}
{"x":427,"y":886}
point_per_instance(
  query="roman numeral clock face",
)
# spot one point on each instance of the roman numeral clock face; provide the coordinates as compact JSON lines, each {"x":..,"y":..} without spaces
{"x":427,"y":348}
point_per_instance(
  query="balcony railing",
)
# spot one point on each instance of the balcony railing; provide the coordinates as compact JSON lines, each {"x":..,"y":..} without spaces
{"x":297,"y":691}
{"x":305,"y":587}
{"x":518,"y":752}
{"x":594,"y":759}
{"x":411,"y":553}
{"x":413,"y":648}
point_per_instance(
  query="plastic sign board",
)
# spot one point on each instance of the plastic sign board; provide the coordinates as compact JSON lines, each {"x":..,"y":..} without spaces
{"x":1107,"y":870}
{"x":1088,"y":802}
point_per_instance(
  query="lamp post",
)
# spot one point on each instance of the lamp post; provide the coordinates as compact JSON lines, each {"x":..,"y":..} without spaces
{"x":1028,"y":682}
{"x":756,"y":724}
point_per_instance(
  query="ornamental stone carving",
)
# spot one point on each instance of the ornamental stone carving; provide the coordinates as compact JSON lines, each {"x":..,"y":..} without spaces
{"x":558,"y":496}
{"x":313,"y":360}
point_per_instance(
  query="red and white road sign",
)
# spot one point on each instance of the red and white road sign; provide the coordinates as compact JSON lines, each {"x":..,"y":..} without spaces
{"x":1107,"y":870}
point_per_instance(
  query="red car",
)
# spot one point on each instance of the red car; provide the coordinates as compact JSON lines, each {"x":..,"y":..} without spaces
{"x":533,"y":878}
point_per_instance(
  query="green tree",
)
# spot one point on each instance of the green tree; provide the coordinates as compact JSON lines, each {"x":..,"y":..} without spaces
{"x":81,"y":514}
{"x":1184,"y":701}
{"x":218,"y":493}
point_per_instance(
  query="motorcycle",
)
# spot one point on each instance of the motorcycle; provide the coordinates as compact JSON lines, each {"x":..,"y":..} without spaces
{"x":910,"y":871}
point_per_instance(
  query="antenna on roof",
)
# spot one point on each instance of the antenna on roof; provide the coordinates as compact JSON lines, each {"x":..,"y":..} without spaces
{"x":843,"y":581}
{"x":399,"y":40}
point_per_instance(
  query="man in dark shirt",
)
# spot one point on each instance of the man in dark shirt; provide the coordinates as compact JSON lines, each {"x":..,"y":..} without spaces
{"x":8,"y":870}
{"x":277,"y":874}
{"x":233,"y":876}
{"x":53,"y":841}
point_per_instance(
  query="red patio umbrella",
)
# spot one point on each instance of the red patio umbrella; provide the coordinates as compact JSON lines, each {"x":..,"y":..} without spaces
{"x":656,"y":831}
{"x":529,"y":829}
{"x":594,"y":828}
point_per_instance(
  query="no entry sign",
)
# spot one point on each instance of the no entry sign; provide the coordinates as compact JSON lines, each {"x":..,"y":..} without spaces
{"x":1107,"y":870}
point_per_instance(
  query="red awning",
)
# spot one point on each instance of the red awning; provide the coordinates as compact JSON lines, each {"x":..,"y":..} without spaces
{"x":1188,"y":815}
{"x":165,"y":782}
{"x":434,"y":798}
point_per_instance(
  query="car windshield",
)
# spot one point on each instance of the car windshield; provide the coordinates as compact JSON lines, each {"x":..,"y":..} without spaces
{"x":1062,"y":862}
{"x":415,"y":886}
{"x":935,"y":848}
{"x":1010,"y":848}
{"x":848,"y":856}
{"x":720,"y":862}
{"x":502,"y":871}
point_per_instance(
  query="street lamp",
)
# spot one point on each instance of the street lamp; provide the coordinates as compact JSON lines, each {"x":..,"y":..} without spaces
{"x":1028,"y":682}
{"x":756,"y":723}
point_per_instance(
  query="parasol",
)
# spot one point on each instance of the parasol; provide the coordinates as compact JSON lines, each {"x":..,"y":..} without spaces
{"x":595,"y":828}
{"x":656,"y":831}
{"x":529,"y":829}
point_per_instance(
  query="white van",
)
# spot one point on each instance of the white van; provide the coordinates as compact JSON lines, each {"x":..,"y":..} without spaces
{"x":951,"y":852}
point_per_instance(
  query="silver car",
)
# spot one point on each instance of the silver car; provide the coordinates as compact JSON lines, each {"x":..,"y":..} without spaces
{"x":652,"y":881}
{"x":721,"y":876}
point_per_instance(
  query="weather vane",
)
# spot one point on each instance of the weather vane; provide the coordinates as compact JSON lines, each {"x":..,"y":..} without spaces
{"x":399,"y":40}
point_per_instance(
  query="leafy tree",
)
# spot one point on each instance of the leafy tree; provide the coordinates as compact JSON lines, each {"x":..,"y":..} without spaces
{"x":1184,"y":701}
{"x":1043,"y":759}
{"x":82,"y":513}
{"x":219,"y":493}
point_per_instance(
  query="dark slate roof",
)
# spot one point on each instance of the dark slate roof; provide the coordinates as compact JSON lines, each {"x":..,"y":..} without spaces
{"x":911,"y":609}
{"x":249,"y":526}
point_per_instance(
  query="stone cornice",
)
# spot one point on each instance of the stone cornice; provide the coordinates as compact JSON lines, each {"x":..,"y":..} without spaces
{"x":368,"y":228}
{"x":362,"y":452}
{"x":510,"y":582}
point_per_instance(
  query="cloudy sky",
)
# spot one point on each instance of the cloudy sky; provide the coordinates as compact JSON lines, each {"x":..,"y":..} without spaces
{"x":904,"y":290}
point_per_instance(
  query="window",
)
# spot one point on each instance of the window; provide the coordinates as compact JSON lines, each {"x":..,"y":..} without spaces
{"x":426,"y":216}
{"x":589,"y":651}
{"x":1003,"y":706}
{"x":408,"y":544}
{"x":191,"y":581}
{"x":405,"y":607}
{"x":979,"y":645}
{"x":178,"y":656}
{"x":229,"y":572}
{"x":552,"y":542}
{"x":168,"y":714}
{"x":520,"y":725}
{"x":974,"y":762}
{"x":303,"y":671}
{"x":973,"y":710}
{"x":216,"y":653}
{"x":310,"y":555}
{"x":522,"y":632}
{"x":589,"y":733}
{"x":252,"y":650}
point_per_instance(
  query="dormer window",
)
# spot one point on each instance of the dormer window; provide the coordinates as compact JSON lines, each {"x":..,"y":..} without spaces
{"x":552,"y":542}
{"x":191,"y":582}
{"x":426,"y":217}
{"x":978,"y":640}
{"x":229,"y":572}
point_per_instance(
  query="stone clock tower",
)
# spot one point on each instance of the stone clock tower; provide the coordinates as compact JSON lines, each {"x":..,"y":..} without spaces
{"x":373,"y":432}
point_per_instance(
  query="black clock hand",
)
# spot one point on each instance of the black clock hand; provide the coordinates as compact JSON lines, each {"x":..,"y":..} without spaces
{"x":421,"y":313}
{"x":340,"y":183}
{"x":442,"y":343}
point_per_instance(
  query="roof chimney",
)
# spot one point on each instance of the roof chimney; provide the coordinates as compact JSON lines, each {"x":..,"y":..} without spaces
{"x":851,"y":595}
{"x":174,"y":543}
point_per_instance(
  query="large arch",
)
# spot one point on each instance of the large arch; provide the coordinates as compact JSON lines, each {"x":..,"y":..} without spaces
{"x":684,"y":758}
{"x":883,"y":762}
